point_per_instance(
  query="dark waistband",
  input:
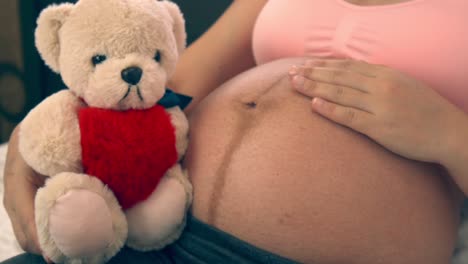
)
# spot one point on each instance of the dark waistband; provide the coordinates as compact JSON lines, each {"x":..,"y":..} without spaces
{"x":202,"y":243}
{"x":199,"y":244}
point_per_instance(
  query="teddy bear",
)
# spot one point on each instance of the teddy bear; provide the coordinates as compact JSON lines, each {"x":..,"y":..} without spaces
{"x":112,"y":142}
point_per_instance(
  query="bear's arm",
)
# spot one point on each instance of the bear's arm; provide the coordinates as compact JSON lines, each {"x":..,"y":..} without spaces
{"x":49,"y":136}
{"x":180,"y":123}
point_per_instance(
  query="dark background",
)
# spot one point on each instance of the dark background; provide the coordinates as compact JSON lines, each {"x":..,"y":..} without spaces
{"x":25,"y":80}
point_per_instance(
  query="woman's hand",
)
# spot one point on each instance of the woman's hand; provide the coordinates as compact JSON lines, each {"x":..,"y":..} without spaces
{"x":395,"y":110}
{"x":21,"y":184}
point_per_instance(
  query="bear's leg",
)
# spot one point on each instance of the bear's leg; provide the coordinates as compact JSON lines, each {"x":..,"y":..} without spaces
{"x":160,"y":219}
{"x":79,"y":220}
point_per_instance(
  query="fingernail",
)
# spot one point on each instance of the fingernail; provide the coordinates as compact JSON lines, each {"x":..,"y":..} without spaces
{"x":298,"y":81}
{"x":293,"y":70}
{"x":317,"y":101}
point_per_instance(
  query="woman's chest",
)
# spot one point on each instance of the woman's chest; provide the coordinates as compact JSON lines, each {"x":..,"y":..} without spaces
{"x":374,"y":2}
{"x":423,"y":38}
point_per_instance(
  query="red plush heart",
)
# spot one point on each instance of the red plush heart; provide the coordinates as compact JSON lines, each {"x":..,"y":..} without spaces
{"x":130,"y":151}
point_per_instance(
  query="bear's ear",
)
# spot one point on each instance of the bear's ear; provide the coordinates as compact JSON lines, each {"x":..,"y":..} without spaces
{"x":49,"y":23}
{"x":178,"y":25}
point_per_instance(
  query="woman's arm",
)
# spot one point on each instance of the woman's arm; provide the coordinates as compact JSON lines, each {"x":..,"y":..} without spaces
{"x":21,"y":184}
{"x":221,"y":53}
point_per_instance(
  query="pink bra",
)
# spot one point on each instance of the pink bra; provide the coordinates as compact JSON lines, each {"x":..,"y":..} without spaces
{"x":427,"y":39}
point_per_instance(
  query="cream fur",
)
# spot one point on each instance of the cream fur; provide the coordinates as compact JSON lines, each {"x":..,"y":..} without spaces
{"x":47,"y":34}
{"x":106,"y":87}
{"x":180,"y":122}
{"x":178,"y":25}
{"x":93,"y":28}
{"x":49,"y":136}
{"x":128,"y":33}
{"x":182,"y":176}
{"x":159,"y":220}
{"x":59,"y":186}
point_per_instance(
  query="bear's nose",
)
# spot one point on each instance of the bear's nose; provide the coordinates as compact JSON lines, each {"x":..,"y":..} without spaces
{"x":132,"y":75}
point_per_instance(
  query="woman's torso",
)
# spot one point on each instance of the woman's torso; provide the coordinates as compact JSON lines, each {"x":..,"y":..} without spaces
{"x":271,"y":172}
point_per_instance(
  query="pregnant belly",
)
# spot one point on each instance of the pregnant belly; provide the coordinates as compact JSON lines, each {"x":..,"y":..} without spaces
{"x":269,"y":171}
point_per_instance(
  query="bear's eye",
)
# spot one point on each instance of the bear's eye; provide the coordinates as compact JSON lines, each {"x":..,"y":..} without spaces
{"x":97,"y":59}
{"x":157,"y":56}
